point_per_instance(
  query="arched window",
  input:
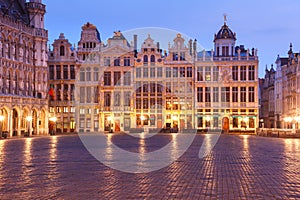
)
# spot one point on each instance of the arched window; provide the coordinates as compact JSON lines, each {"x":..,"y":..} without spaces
{"x":145,"y":60}
{"x":152,"y":59}
{"x":62,"y":51}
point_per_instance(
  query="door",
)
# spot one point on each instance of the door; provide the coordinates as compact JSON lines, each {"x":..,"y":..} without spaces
{"x":117,"y":126}
{"x":225,"y":123}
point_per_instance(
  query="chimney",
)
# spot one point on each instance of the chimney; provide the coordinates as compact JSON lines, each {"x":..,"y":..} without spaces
{"x":190,"y":46}
{"x":195,"y":47}
{"x":158,"y":46}
{"x":135,"y":42}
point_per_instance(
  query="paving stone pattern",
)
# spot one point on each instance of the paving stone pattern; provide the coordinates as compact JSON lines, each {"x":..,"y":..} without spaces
{"x":239,"y":167}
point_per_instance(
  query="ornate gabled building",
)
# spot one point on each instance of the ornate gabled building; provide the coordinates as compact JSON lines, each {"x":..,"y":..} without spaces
{"x":62,"y":73}
{"x":116,"y":84}
{"x":267,"y":115}
{"x":287,"y":91}
{"x":226,"y":85}
{"x":118,"y":88}
{"x":23,"y":68}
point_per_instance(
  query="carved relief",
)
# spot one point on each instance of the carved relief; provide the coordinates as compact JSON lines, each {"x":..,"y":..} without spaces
{"x":225,"y":75}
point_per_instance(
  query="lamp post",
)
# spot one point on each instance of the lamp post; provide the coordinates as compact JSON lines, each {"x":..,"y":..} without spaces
{"x":53,"y":119}
{"x":1,"y":121}
{"x":29,"y":119}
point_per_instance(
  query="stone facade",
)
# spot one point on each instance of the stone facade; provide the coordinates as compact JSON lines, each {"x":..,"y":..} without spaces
{"x":23,"y":70}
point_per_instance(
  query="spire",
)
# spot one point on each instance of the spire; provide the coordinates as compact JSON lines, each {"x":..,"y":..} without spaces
{"x":291,"y":49}
{"x":266,"y":68}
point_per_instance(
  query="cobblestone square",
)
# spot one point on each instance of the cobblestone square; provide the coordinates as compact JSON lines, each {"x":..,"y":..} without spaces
{"x":238,"y":167}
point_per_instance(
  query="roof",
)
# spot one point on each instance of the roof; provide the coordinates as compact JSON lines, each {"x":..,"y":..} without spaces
{"x":225,"y":33}
{"x":119,"y":36}
{"x":207,"y":53}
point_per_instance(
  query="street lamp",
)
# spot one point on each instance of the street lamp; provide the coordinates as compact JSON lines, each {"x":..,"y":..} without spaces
{"x":1,"y":121}
{"x":29,"y":119}
{"x":53,"y":119}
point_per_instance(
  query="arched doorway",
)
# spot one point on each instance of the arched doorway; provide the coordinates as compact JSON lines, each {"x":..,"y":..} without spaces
{"x":15,"y":122}
{"x":42,"y":123}
{"x":225,"y":125}
{"x":4,"y":123}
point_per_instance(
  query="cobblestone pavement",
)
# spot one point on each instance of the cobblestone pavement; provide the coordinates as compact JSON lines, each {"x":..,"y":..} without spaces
{"x":239,"y":167}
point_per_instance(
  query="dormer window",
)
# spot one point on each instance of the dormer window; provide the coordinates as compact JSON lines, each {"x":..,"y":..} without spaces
{"x":62,"y":51}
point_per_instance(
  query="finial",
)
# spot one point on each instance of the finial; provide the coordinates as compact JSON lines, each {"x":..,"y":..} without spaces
{"x":225,"y":18}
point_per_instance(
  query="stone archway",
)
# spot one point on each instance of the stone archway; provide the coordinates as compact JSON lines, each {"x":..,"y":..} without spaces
{"x":4,"y":125}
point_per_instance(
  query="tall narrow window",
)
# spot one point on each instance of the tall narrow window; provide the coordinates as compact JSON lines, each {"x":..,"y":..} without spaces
{"x":215,"y":94}
{"x":215,"y":73}
{"x":66,"y":71}
{"x":182,"y":56}
{"x":175,"y":71}
{"x":51,"y":72}
{"x":189,"y":72}
{"x":207,"y":74}
{"x":96,"y":74}
{"x":117,"y":62}
{"x":127,"y":98}
{"x":58,"y":72}
{"x":138,"y":72}
{"x":65,"y":92}
{"x":152,"y":59}
{"x":107,"y":78}
{"x":159,"y":72}
{"x":199,"y":73}
{"x":145,"y":72}
{"x":145,"y":60}
{"x":117,"y":78}
{"x":243,"y":94}
{"x":152,"y":72}
{"x":225,"y":94}
{"x":175,"y":56}
{"x":243,"y":73}
{"x":127,"y":78}
{"x":88,"y":95}
{"x":182,"y":71}
{"x":127,"y":61}
{"x":72,"y":71}
{"x":82,"y":74}
{"x":117,"y":98}
{"x":107,"y":99}
{"x":235,"y":94}
{"x":96,"y":94}
{"x":82,"y":94}
{"x":62,"y":51}
{"x":235,"y":73}
{"x":207,"y":94}
{"x":88,"y":74}
{"x":251,"y":73}
{"x":168,"y":72}
{"x":251,"y":94}
{"x":199,"y":94}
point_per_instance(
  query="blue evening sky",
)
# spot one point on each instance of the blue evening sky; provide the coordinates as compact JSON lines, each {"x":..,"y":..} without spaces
{"x":267,"y":25}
